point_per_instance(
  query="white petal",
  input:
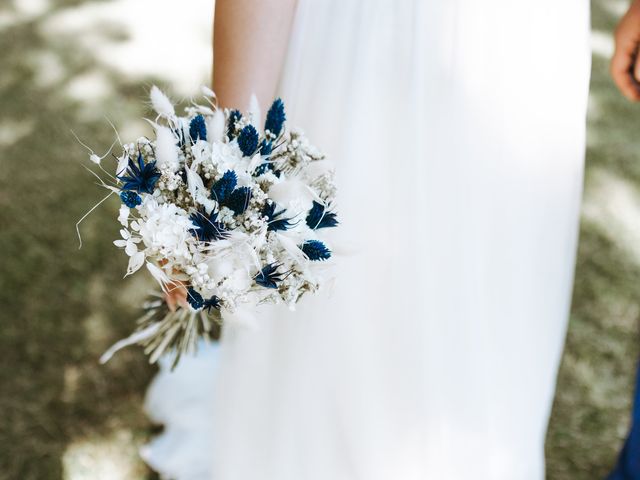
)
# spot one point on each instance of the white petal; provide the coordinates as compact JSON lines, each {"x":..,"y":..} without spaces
{"x":291,"y":248}
{"x":194,"y":182}
{"x":293,"y":195}
{"x":123,"y":161}
{"x":159,"y":274}
{"x":207,"y":92}
{"x":135,"y":262}
{"x":255,"y":161}
{"x":208,"y":204}
{"x":131,"y":249}
{"x":123,"y":215}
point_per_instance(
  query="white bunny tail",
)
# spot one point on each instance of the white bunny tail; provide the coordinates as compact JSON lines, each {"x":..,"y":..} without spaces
{"x":161,"y":103}
{"x":216,"y":126}
{"x":166,"y":150}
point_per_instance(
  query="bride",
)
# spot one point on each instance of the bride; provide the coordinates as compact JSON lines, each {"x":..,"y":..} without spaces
{"x":457,"y":128}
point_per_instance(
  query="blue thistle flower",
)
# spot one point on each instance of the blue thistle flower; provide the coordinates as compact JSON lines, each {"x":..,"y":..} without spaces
{"x":197,"y":302}
{"x":194,"y":298}
{"x":238,"y":200}
{"x":275,"y":117}
{"x":234,"y":118}
{"x":198,"y":128}
{"x":248,"y":140}
{"x":319,"y":217}
{"x":275,"y":223}
{"x":140,"y":178}
{"x":208,"y":228}
{"x":266,"y":148}
{"x":315,"y":250}
{"x":213,"y":302}
{"x":222,"y":188}
{"x":130,"y":199}
{"x":269,"y":276}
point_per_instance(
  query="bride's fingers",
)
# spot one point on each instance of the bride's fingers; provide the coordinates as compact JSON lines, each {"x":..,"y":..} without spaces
{"x":176,"y":296}
{"x":636,"y":71}
{"x":625,"y":70}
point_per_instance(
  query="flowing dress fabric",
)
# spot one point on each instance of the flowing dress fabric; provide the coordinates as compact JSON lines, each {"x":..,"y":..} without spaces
{"x":457,"y":128}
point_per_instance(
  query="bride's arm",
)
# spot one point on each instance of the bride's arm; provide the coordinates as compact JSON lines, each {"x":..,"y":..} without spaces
{"x":249,"y":44}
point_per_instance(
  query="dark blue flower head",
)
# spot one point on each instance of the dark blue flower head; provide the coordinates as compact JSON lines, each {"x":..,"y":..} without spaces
{"x":269,"y":276}
{"x":213,"y":302}
{"x":194,"y":298}
{"x":275,"y":117}
{"x":248,"y":140}
{"x":222,"y":188}
{"x":275,"y":223}
{"x":266,"y":148}
{"x":315,"y":250}
{"x":197,"y":302}
{"x":319,"y":217}
{"x":238,"y":200}
{"x":234,"y":118}
{"x":130,"y":199}
{"x":207,"y":228}
{"x":197,"y":128}
{"x":140,"y":178}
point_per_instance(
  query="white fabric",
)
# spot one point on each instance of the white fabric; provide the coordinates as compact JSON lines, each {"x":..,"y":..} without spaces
{"x":180,"y":400}
{"x":457,"y":128}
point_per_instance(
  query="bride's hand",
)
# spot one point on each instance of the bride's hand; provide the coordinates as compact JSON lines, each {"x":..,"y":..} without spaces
{"x":625,"y":68}
{"x":176,"y":296}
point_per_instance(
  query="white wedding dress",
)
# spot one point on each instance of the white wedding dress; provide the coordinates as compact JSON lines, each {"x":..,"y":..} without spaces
{"x":457,"y":128}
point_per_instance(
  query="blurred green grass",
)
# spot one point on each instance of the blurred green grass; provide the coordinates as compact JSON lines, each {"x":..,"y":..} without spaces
{"x":61,"y":307}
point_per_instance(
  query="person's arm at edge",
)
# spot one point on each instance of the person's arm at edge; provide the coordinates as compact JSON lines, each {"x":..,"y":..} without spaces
{"x":250,"y":39}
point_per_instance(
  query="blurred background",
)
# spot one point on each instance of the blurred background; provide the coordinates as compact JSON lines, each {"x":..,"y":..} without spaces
{"x":75,"y":65}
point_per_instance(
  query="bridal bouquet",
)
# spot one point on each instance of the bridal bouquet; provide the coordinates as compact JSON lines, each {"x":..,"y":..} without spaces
{"x":229,"y":212}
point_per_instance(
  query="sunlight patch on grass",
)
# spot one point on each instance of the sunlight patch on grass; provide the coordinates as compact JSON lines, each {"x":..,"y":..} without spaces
{"x":139,"y":38}
{"x":103,"y":458}
{"x":31,"y":8}
{"x":613,"y":204}
{"x":47,"y":67}
{"x":616,"y":8}
{"x":90,"y":88}
{"x":14,"y":131}
{"x":602,"y":43}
